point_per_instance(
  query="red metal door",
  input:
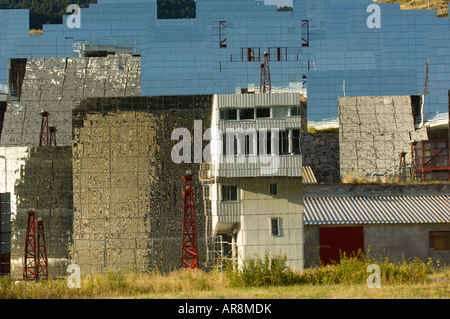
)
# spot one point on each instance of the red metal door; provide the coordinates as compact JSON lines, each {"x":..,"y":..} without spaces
{"x":335,"y":241}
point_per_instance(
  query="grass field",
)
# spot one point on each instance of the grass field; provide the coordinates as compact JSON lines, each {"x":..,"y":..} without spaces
{"x":199,"y":285}
{"x":259,"y":279}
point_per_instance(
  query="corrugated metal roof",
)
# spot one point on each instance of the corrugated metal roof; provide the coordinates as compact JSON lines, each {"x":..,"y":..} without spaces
{"x":308,"y":175}
{"x":376,"y":210}
{"x":255,"y":100}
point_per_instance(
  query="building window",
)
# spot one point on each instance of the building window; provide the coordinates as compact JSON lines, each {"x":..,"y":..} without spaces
{"x":280,"y":112}
{"x":273,"y":189}
{"x":439,"y":240}
{"x":247,"y":114}
{"x":265,"y":142}
{"x":229,"y":193}
{"x":296,"y":142}
{"x":249,"y":144}
{"x":284,"y":143}
{"x":263,"y":112}
{"x":230,"y":144}
{"x":228,"y":115}
{"x":295,"y":111}
{"x":416,"y":104}
{"x":275,"y":226}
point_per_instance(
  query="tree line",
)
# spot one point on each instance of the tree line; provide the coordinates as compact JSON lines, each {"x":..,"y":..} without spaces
{"x":44,"y":11}
{"x":51,"y":11}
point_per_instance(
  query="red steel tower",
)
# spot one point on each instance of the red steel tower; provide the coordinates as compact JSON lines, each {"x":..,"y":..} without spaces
{"x":44,"y":138}
{"x":189,"y":251}
{"x":52,"y":131}
{"x":36,"y":262}
{"x":42,"y":264}
{"x":30,"y":266}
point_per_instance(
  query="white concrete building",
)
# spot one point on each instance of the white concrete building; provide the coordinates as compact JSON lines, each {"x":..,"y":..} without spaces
{"x":255,"y":171}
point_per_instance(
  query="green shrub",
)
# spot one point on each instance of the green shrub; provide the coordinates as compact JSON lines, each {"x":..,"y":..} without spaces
{"x":271,"y":271}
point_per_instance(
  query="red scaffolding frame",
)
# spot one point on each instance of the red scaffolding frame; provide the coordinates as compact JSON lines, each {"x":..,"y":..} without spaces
{"x":435,"y":160}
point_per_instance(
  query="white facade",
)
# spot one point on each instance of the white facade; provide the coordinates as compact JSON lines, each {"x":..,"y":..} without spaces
{"x":256,"y":175}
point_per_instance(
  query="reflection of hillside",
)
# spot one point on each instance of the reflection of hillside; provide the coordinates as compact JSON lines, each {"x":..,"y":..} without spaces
{"x":440,"y":6}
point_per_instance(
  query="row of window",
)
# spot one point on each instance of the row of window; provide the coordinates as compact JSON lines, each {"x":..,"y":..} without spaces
{"x":262,"y":143}
{"x":259,"y":113}
{"x":230,"y":192}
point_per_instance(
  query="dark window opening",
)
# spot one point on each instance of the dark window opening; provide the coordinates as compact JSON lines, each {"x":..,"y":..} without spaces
{"x":229,"y":193}
{"x":228,"y":115}
{"x":284,"y":143}
{"x":296,"y":111}
{"x":249,"y":144}
{"x":275,"y":224}
{"x":439,"y":240}
{"x":229,"y":143}
{"x":16,"y":76}
{"x":263,"y":112}
{"x":273,"y":189}
{"x":264,"y":142}
{"x":296,"y":142}
{"x":247,"y":114}
{"x":416,"y":104}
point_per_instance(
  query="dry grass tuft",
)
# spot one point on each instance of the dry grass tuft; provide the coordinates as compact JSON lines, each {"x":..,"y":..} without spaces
{"x":36,"y":32}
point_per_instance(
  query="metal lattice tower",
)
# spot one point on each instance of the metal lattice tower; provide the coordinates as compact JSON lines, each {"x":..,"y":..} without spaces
{"x":416,"y":169}
{"x":42,"y":261}
{"x":44,"y":138}
{"x":52,"y":130}
{"x":265,"y":85}
{"x":402,"y":167}
{"x":36,"y":262}
{"x":30,"y":270}
{"x":189,"y":250}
